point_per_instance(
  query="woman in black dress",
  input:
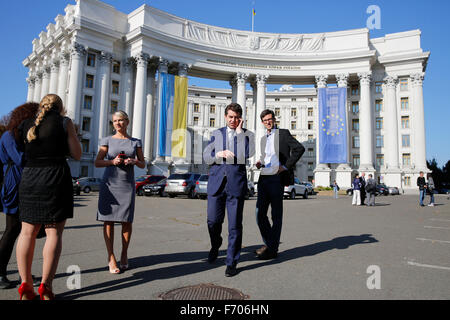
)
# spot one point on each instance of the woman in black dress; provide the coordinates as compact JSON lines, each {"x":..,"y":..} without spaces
{"x":45,"y":190}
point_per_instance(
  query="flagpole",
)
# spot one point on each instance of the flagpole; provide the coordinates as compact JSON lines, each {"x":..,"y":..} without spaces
{"x":253,"y":20}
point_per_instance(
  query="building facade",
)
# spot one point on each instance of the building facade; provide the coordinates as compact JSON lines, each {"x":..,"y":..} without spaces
{"x":99,"y":60}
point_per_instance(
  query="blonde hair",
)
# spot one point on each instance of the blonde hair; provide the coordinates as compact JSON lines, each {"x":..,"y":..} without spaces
{"x":121,"y":114}
{"x":49,"y":102}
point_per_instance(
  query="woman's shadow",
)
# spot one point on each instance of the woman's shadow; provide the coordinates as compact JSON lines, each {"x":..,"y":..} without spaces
{"x":196,"y":263}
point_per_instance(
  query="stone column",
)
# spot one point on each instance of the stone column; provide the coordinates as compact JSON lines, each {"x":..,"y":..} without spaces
{"x":322,"y":170}
{"x":233,"y":84}
{"x":54,"y":73}
{"x":45,"y":82}
{"x":365,"y":125}
{"x":64,"y":59}
{"x":30,"y":95}
{"x":127,"y":92}
{"x":74,"y":98}
{"x":241,"y":79}
{"x":104,"y":89}
{"x":419,"y":122}
{"x":163,"y":67}
{"x":392,"y":174}
{"x":148,"y":152}
{"x":140,"y":96}
{"x":344,"y":170}
{"x":261,"y":80}
{"x":37,"y":87}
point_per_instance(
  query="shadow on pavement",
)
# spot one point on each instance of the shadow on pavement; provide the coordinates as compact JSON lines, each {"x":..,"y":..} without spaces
{"x":197,"y":263}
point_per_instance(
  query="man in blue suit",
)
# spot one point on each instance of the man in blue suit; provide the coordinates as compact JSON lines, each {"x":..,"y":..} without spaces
{"x":226,"y":153}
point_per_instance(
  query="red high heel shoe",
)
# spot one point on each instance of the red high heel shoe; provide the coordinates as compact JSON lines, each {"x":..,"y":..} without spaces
{"x":45,"y":292}
{"x":26,"y":292}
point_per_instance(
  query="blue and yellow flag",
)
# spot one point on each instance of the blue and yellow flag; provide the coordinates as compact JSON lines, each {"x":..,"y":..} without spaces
{"x":254,"y":12}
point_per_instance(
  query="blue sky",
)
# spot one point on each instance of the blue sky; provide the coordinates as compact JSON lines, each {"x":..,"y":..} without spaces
{"x":22,"y":20}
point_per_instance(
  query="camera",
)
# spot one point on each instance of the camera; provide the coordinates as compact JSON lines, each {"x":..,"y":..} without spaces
{"x":122,"y":155}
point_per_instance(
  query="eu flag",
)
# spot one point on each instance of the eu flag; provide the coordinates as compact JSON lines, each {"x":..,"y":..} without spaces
{"x":332,"y":125}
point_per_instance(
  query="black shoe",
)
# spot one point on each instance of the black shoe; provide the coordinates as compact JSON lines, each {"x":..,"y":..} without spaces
{"x":5,"y":283}
{"x":212,"y":256}
{"x":231,"y":271}
{"x":267,"y":254}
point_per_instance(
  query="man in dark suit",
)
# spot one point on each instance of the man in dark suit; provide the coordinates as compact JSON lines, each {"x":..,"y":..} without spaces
{"x":280,"y":151}
{"x":226,"y":153}
{"x":362,"y":179}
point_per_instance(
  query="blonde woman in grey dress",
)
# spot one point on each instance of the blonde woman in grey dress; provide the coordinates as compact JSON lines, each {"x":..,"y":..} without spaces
{"x":118,"y":154}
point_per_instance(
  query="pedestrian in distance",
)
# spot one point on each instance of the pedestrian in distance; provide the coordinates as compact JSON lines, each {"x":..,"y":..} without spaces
{"x":280,"y":151}
{"x":371,"y":190}
{"x":45,"y":190}
{"x":356,"y":185}
{"x":12,"y":166}
{"x":226,"y":153}
{"x":421,"y":183}
{"x":336,"y":189}
{"x":430,"y":189}
{"x":118,"y":154}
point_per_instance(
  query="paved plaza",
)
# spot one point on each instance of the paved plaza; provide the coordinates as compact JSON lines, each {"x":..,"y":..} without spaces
{"x":330,"y":250}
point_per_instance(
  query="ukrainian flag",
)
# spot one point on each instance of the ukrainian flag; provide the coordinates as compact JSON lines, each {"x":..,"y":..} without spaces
{"x":254,"y":12}
{"x":172,"y":119}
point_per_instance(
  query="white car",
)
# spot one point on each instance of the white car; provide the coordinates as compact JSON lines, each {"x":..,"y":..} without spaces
{"x":296,"y":189}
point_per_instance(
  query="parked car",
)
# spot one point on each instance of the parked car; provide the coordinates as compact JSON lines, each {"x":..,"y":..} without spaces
{"x":157,"y":188}
{"x":89,"y":184}
{"x":393,"y":191}
{"x":76,"y":187}
{"x":144,"y":180}
{"x":181,"y":184}
{"x":382,"y":189}
{"x":296,"y":189}
{"x":201,"y":186}
{"x":251,"y":188}
{"x":308,"y":186}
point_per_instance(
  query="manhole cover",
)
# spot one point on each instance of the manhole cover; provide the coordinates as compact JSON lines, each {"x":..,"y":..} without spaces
{"x":203,"y":292}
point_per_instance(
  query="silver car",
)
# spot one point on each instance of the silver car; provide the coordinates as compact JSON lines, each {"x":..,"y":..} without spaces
{"x":89,"y":184}
{"x":201,"y":187}
{"x":308,"y":186}
{"x":296,"y":189}
{"x":181,"y":184}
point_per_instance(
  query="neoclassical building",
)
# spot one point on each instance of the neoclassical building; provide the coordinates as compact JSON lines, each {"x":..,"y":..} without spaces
{"x":98,"y":60}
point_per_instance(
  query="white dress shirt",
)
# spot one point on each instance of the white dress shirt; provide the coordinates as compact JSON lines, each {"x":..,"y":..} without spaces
{"x":271,"y":161}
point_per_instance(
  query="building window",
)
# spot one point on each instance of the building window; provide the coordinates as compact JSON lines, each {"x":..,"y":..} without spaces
{"x":407,"y":181}
{"x":213,"y":97}
{"x":86,"y":126}
{"x":310,"y":166}
{"x":294,"y":99}
{"x":89,"y":81}
{"x":355,"y":107}
{"x":355,"y":90}
{"x":228,"y":97}
{"x":115,"y":87}
{"x":310,"y":138}
{"x":379,"y":123}
{"x":196,"y":107}
{"x":114,"y":106}
{"x":310,"y":125}
{"x":195,"y":121}
{"x":277,"y":99}
{"x":404,"y":102}
{"x":355,"y":160}
{"x":405,"y":141}
{"x":405,"y":122}
{"x":212,"y":108}
{"x":404,"y":84}
{"x":212,"y":122}
{"x":310,"y":112}
{"x":85,"y":145}
{"x":293,"y":125}
{"x":380,"y":160}
{"x":355,"y":124}
{"x":277,"y":112}
{"x":293,"y":112}
{"x":277,"y":124}
{"x":378,"y":105}
{"x":87,"y":102}
{"x":116,"y":67}
{"x":90,"y":60}
{"x":310,"y":99}
{"x":378,"y":87}
{"x":406,"y":159}
{"x":310,"y":152}
{"x":197,"y":94}
{"x":84,"y":171}
{"x":355,"y":142}
{"x":379,"y":142}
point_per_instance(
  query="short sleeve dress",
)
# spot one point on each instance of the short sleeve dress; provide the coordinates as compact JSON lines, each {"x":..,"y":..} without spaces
{"x":117,"y":190}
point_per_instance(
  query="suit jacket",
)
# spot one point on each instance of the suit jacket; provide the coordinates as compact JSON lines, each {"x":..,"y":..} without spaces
{"x":234,"y":170}
{"x":289,"y":151}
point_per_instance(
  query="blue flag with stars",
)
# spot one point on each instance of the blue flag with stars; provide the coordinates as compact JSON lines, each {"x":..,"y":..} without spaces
{"x":332,"y":125}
